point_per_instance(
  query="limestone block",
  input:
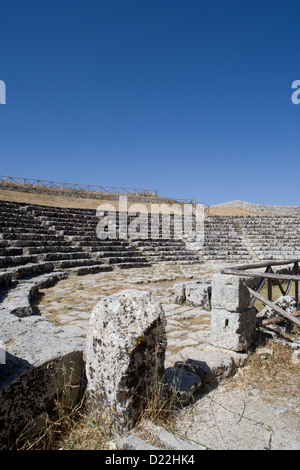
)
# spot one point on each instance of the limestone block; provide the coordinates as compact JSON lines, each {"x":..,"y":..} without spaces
{"x":229,"y":292}
{"x":132,"y":442}
{"x":179,"y":291}
{"x":18,"y":300}
{"x":285,"y":302}
{"x":167,"y":440}
{"x":198,"y":294}
{"x":125,"y":352}
{"x":233,"y":330}
{"x":195,"y":293}
{"x":211,"y":366}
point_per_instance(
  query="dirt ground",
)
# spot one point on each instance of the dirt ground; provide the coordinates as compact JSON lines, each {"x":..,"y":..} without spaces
{"x":257,"y":409}
{"x":85,"y":203}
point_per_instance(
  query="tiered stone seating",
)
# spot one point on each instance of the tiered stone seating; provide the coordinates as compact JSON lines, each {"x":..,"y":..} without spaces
{"x":159,"y":241}
{"x":78,"y":227}
{"x":29,"y":247}
{"x":272,"y":237}
{"x":38,"y":239}
{"x":222,"y":242}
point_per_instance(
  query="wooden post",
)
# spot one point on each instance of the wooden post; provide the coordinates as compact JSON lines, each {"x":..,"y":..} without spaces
{"x":270,"y":289}
{"x":297,"y":284}
{"x":260,"y":286}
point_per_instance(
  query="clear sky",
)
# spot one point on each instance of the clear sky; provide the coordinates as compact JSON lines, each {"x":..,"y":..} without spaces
{"x":188,"y":97}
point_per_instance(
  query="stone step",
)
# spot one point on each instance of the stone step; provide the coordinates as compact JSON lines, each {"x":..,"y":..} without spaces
{"x":28,"y":243}
{"x":128,"y":260}
{"x":109,"y":249}
{"x":20,"y":272}
{"x":70,"y":263}
{"x":7,"y":261}
{"x":64,"y":256}
{"x":28,"y":236}
{"x":18,"y":300}
{"x":22,"y":229}
{"x":11,"y":251}
{"x":128,"y":265}
{"x":83,"y":270}
{"x":117,"y":254}
{"x":101,"y":243}
{"x":48,"y":249}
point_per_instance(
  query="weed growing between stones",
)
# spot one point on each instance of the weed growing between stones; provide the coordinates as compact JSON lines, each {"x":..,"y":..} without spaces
{"x":162,"y":402}
{"x":58,"y":418}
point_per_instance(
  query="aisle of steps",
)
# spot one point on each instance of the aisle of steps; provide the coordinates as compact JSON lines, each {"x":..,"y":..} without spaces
{"x":272,"y":237}
{"x":239,"y":229}
{"x":222,"y":242}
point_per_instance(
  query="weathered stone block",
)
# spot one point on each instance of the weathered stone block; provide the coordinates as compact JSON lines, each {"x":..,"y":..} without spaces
{"x":125,"y":354}
{"x":233,"y":330}
{"x":132,"y":442}
{"x":198,"y":294}
{"x":195,"y":293}
{"x":211,"y":366}
{"x":166,"y":440}
{"x":38,"y":366}
{"x":229,"y":292}
{"x":179,"y":291}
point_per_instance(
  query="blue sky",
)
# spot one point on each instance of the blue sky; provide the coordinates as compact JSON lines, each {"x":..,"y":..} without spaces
{"x":188,"y":97}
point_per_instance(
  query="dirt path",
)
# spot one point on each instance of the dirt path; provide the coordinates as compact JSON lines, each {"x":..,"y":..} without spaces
{"x":239,"y":415}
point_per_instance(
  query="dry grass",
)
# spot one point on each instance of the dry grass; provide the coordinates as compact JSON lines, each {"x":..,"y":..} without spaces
{"x":68,"y":429}
{"x":274,"y":374}
{"x":54,"y":200}
{"x":72,"y":428}
{"x":230,"y":211}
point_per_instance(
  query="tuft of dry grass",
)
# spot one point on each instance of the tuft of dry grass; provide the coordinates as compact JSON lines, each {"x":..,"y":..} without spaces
{"x":67,"y":429}
{"x":273,"y":372}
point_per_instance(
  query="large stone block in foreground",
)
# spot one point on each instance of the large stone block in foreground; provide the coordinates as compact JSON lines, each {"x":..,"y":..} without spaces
{"x":125,"y":355}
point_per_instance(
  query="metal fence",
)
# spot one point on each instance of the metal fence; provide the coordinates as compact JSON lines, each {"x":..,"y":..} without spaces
{"x":34,"y":183}
{"x":75,"y":187}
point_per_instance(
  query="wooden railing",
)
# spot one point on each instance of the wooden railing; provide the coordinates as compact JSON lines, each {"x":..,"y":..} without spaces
{"x":272,"y":279}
